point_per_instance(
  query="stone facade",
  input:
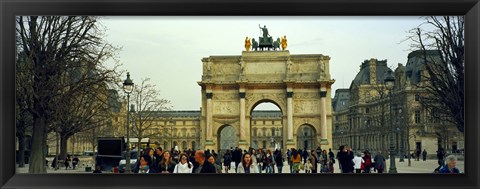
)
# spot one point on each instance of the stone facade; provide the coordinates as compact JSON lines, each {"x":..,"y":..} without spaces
{"x":365,"y":122}
{"x":232,"y":86}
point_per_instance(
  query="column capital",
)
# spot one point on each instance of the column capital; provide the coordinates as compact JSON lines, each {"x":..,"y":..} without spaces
{"x":323,"y":94}
{"x":241,"y":94}
{"x":289,"y":94}
{"x":209,"y":95}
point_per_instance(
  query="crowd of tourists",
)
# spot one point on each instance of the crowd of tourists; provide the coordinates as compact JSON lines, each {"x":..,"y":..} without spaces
{"x":265,"y":161}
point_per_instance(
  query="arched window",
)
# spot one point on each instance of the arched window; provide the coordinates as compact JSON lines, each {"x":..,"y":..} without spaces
{"x":184,"y":145}
{"x":193,"y":145}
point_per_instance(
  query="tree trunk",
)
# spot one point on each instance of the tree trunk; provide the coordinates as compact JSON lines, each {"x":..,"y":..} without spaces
{"x":37,"y":156}
{"x":63,"y":146}
{"x":21,"y":149}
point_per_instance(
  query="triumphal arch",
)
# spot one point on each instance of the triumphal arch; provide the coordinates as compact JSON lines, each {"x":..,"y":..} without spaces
{"x":300,"y":85}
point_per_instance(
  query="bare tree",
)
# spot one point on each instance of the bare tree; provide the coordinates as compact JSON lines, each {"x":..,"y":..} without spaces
{"x":147,"y":104}
{"x":56,"y":49}
{"x":446,"y":69}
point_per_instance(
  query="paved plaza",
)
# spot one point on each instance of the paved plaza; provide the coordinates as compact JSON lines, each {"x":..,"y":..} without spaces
{"x":402,"y":167}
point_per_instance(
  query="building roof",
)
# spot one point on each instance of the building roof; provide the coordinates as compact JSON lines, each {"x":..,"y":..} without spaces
{"x":363,"y":76}
{"x":341,"y":101}
{"x":416,"y":63}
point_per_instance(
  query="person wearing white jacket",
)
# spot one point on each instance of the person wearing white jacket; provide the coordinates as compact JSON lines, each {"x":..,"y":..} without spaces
{"x":246,"y":166}
{"x":184,"y":166}
{"x":357,"y":160}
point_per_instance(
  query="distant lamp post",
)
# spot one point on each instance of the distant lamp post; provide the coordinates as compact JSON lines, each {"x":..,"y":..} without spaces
{"x":402,"y":137}
{"x":390,"y":83}
{"x":128,"y":88}
{"x":171,"y":133}
{"x":134,"y":128}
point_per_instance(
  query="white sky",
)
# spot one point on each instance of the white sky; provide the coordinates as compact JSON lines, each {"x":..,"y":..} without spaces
{"x":169,"y":49}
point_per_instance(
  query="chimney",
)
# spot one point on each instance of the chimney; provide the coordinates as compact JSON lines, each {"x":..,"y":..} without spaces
{"x":373,"y":71}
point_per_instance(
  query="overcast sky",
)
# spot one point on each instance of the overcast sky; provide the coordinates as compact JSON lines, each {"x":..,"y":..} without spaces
{"x":169,"y":49}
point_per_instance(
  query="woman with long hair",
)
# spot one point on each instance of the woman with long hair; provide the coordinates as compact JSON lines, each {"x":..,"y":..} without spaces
{"x":246,"y":166}
{"x":268,"y":162}
{"x":211,"y":159}
{"x":144,"y":166}
{"x":296,"y":158}
{"x":166,"y":165}
{"x":184,"y":166}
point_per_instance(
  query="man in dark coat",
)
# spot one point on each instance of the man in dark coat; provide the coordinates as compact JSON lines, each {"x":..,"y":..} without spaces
{"x":237,"y":157}
{"x":305,"y":155}
{"x":379,"y":162}
{"x":203,"y":165}
{"x":346,"y":160}
{"x":424,"y":154}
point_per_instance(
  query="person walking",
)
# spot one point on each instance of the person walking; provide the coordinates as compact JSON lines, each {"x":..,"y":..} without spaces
{"x":211,"y":159}
{"x":67,"y":162}
{"x":296,"y":159}
{"x":203,"y":166}
{"x":417,"y":155}
{"x":279,"y":160}
{"x":318,"y":151}
{"x":379,"y":162}
{"x":289,"y":160}
{"x":246,"y":166}
{"x":323,"y":161}
{"x":227,"y":160}
{"x":145,"y":162}
{"x":259,"y":158}
{"x":184,"y":166}
{"x":75,"y":161}
{"x":339,"y":152}
{"x":268,"y":162}
{"x":441,"y":156}
{"x":345,"y":159}
{"x":166,"y":165}
{"x":308,"y":166}
{"x":314,"y":161}
{"x":424,"y":154}
{"x":450,"y":168}
{"x":237,"y":157}
{"x":305,"y":155}
{"x":367,"y":161}
{"x":357,"y":161}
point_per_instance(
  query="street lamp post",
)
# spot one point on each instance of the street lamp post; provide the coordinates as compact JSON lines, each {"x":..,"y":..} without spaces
{"x":171,"y":133}
{"x":390,"y":83}
{"x":128,"y":88}
{"x":402,"y":135}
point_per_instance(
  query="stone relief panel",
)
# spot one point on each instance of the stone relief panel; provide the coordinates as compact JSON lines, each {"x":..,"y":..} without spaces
{"x":306,"y":106}
{"x":225,"y":107}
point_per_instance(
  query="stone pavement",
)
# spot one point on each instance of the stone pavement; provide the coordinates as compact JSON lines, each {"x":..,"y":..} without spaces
{"x":402,"y":167}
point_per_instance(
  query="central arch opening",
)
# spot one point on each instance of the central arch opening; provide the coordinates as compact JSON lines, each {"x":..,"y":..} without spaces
{"x":266,"y":126}
{"x":306,"y":137}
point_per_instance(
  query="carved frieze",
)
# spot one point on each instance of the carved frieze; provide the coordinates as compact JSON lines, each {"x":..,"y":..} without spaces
{"x":225,"y":107}
{"x":306,"y":106}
